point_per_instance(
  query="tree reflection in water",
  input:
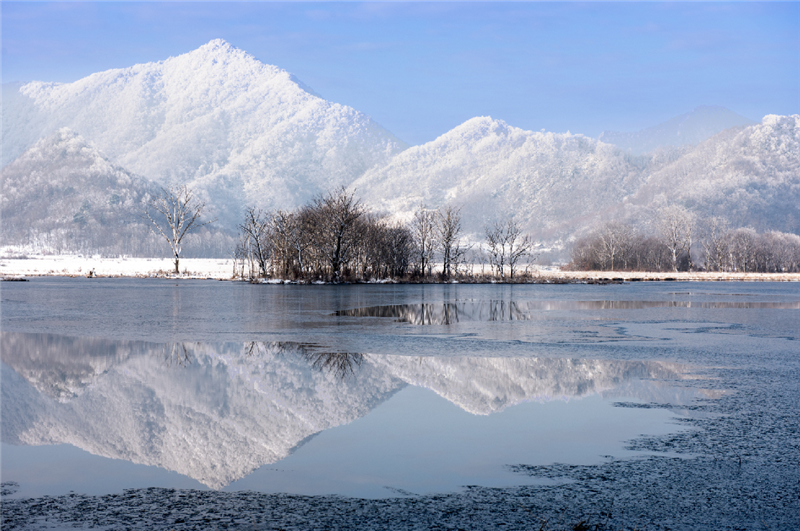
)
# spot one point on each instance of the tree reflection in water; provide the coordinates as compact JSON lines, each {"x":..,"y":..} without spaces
{"x":178,"y":354}
{"x":499,"y":310}
{"x":340,"y":364}
{"x":445,"y":313}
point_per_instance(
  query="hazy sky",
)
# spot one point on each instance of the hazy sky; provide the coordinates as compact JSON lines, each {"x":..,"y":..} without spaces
{"x":420,"y":69}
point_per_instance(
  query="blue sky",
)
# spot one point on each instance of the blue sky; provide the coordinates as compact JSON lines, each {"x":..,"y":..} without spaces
{"x":422,"y":68}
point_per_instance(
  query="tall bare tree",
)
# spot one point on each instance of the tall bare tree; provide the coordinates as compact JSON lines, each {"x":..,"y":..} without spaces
{"x":448,"y":232}
{"x":743,"y":245}
{"x":255,"y":229}
{"x":676,"y":226}
{"x":423,"y":228}
{"x":177,"y":212}
{"x":616,"y":239}
{"x":715,"y":243}
{"x":334,"y":220}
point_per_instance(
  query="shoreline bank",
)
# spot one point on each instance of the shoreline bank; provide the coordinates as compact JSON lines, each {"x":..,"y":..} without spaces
{"x":223,"y":269}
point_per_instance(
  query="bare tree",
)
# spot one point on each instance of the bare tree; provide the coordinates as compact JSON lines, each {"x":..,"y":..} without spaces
{"x":715,"y":243}
{"x":615,"y":239}
{"x":423,"y":228}
{"x":399,"y":247}
{"x":290,"y":237}
{"x":448,"y":232}
{"x":334,"y":220}
{"x":743,"y":244}
{"x":507,"y":246}
{"x":676,"y":226}
{"x":178,"y":213}
{"x":255,"y":230}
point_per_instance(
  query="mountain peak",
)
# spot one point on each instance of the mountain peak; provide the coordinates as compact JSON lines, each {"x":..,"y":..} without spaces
{"x":216,"y":44}
{"x":218,"y":48}
{"x":477,"y":128}
{"x":215,"y":118}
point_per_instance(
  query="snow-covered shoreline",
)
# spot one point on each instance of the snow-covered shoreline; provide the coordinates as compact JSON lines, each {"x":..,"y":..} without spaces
{"x":79,"y":265}
{"x":223,"y":269}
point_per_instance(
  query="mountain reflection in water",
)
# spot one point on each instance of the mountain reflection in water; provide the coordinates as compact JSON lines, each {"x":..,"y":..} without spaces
{"x":216,"y":412}
{"x":499,"y":310}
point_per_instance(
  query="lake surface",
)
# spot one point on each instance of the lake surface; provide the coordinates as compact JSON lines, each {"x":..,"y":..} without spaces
{"x":397,"y":391}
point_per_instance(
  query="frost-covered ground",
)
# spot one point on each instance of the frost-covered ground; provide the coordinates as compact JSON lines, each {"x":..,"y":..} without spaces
{"x":222,"y":269}
{"x":76,"y":265}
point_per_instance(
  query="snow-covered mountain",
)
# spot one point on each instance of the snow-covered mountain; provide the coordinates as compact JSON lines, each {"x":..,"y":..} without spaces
{"x":749,"y":175}
{"x":244,"y":133}
{"x":216,"y":118}
{"x":558,"y":185}
{"x":687,"y":129}
{"x":63,"y":193}
{"x":550,"y":182}
{"x":217,"y":412}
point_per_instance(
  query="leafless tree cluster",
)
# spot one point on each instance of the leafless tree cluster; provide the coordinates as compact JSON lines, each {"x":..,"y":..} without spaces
{"x":438,"y":233}
{"x":620,"y":246}
{"x":507,"y":246}
{"x":676,"y":227}
{"x":448,"y":232}
{"x":423,"y":229}
{"x":333,"y":238}
{"x":745,"y":250}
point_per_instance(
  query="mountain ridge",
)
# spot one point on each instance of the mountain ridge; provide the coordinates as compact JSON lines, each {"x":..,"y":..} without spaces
{"x":243,"y":133}
{"x":215,"y":118}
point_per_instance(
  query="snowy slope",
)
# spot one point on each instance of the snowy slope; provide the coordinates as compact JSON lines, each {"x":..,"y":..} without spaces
{"x":751,"y":176}
{"x":64,"y":195}
{"x":550,"y":182}
{"x":687,"y":129}
{"x":245,"y":133}
{"x":64,"y":191}
{"x":217,"y":118}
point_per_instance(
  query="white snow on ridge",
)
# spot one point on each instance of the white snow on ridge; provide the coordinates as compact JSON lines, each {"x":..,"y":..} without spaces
{"x":245,"y":133}
{"x":494,"y":170}
{"x":215,"y":117}
{"x":751,"y":176}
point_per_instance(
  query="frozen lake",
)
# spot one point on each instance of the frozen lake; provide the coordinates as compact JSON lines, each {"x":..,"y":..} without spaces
{"x":407,"y":393}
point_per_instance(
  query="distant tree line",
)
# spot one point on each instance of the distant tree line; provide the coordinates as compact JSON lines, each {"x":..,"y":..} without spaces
{"x":680,"y":241}
{"x":336,"y":238}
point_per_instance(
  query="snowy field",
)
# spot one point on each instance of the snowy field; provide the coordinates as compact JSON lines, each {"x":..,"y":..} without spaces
{"x":79,"y":265}
{"x":222,"y":269}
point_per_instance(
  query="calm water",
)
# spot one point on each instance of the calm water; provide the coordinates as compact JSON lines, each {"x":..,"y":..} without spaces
{"x":369,"y":391}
